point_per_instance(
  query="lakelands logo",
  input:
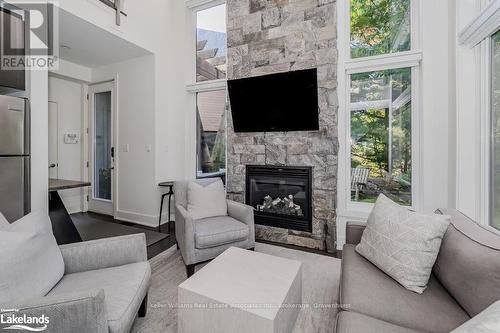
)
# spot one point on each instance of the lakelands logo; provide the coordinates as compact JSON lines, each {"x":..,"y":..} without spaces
{"x":10,"y":319}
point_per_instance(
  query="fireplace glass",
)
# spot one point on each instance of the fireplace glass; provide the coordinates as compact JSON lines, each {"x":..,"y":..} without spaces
{"x":281,"y":196}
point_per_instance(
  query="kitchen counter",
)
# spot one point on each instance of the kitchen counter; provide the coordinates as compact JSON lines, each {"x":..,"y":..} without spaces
{"x":63,"y":227}
{"x":62,"y":184}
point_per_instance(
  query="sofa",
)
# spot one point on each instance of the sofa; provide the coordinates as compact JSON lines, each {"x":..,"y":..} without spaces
{"x":200,"y":240}
{"x":465,"y":281}
{"x":97,"y":286}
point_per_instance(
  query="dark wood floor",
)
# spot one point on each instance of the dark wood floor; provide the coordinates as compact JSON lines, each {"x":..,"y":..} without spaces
{"x":153,"y":249}
{"x":170,"y":241}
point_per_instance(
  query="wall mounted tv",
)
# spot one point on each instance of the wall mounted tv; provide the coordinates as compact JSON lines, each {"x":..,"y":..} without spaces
{"x":280,"y":102}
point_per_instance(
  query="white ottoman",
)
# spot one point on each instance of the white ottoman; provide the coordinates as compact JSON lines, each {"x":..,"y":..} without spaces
{"x":241,"y":291}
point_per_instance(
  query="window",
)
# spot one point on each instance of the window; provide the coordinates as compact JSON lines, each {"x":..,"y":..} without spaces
{"x":211,"y":43}
{"x":381,"y":134}
{"x":495,"y":131}
{"x":378,"y":116}
{"x":211,"y":133}
{"x":379,"y":27}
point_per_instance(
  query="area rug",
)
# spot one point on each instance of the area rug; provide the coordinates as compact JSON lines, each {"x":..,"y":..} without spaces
{"x":320,"y":290}
{"x":90,"y":229}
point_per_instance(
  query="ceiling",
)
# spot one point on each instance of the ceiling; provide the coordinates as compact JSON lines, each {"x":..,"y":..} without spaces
{"x":92,"y":46}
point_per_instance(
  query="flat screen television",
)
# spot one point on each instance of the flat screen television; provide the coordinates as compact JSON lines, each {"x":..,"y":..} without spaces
{"x":280,"y":102}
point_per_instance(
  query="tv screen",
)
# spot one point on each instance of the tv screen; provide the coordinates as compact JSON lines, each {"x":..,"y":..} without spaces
{"x":275,"y":103}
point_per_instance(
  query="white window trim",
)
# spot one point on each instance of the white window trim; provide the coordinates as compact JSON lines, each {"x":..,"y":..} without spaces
{"x":348,"y":210}
{"x":483,"y":26}
{"x":477,"y":37}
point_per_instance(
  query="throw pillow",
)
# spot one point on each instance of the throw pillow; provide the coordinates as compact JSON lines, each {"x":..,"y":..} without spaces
{"x":31,"y":263}
{"x":402,"y":243}
{"x":206,"y":200}
{"x":488,"y":321}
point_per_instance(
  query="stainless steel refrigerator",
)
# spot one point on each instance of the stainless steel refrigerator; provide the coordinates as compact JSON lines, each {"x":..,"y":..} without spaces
{"x":14,"y":157}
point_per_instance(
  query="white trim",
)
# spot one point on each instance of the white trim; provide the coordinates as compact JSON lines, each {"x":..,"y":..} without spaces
{"x":386,"y":61}
{"x":198,"y":5}
{"x":482,"y":27}
{"x":486,"y":143}
{"x":206,"y":86}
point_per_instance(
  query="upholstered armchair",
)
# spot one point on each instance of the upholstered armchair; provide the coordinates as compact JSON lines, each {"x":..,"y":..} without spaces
{"x":204,"y":239}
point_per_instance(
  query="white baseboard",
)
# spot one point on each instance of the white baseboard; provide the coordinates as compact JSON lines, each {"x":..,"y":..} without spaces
{"x":142,"y":219}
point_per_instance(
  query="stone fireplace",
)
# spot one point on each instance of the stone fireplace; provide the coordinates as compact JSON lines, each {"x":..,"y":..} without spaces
{"x":281,"y":196}
{"x":271,"y":36}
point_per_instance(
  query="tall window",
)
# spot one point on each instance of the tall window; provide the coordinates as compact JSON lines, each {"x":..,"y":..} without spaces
{"x":211,"y":43}
{"x":211,"y":133}
{"x":380,"y":108}
{"x":495,"y":131}
{"x":209,"y":87}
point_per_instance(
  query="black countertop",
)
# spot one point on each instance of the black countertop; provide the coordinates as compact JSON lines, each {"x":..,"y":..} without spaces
{"x":62,"y":184}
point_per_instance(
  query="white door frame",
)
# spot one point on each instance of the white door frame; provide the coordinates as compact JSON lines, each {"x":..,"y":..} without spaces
{"x":102,"y":206}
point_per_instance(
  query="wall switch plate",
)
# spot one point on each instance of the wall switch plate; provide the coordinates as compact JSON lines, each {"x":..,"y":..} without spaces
{"x":71,"y":138}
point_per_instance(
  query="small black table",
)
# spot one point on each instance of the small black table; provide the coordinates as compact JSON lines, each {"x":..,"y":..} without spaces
{"x":170,"y":192}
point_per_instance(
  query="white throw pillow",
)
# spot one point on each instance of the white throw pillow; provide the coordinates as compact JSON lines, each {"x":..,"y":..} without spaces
{"x":31,"y":263}
{"x":488,"y":321}
{"x":402,"y":243}
{"x":206,"y":200}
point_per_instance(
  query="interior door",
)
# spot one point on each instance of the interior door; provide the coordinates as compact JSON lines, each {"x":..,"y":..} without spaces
{"x":101,"y":148}
{"x":53,"y":141}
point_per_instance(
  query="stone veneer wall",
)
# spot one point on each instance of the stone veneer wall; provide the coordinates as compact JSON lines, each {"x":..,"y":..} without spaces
{"x":270,"y":36}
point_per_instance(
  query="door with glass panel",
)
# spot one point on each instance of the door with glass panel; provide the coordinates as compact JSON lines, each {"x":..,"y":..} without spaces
{"x":101,"y":148}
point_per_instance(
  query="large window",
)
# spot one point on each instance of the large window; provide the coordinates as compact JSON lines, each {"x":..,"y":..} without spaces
{"x":379,"y":60}
{"x":381,"y":135}
{"x":211,"y":43}
{"x":379,"y":27}
{"x":211,"y":133}
{"x":495,"y":130}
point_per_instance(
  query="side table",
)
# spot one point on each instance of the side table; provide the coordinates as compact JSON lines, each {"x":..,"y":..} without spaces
{"x":170,"y":192}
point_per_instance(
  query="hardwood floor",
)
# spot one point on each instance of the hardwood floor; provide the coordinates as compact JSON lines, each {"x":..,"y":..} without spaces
{"x":153,"y":249}
{"x":170,"y":241}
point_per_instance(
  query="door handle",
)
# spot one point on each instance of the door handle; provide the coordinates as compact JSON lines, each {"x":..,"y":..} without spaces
{"x":53,"y":165}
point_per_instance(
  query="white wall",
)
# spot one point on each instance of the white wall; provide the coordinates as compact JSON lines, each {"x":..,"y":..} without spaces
{"x":69,"y":95}
{"x":137,"y":199}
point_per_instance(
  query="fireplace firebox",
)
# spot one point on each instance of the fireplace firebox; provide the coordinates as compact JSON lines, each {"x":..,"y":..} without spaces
{"x":281,"y":196}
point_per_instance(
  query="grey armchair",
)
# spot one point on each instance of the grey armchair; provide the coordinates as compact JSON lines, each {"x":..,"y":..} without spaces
{"x":204,"y":239}
{"x":104,"y":287}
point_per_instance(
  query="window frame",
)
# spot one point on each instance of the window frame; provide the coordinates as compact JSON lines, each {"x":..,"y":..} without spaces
{"x":347,"y":209}
{"x":477,"y":36}
{"x":193,"y":87}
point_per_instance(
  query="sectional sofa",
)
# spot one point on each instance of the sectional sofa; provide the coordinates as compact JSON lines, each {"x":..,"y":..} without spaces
{"x":465,"y":281}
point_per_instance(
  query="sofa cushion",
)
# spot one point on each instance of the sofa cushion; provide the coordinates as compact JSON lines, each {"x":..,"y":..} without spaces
{"x":206,"y":200}
{"x":468,"y":264}
{"x":368,"y":290}
{"x":402,"y":243}
{"x":31,"y":263}
{"x":350,"y":322}
{"x":220,"y":230}
{"x":487,"y":321}
{"x":4,"y":224}
{"x":124,"y":290}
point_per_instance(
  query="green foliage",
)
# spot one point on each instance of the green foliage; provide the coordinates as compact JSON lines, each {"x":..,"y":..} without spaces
{"x":379,"y":26}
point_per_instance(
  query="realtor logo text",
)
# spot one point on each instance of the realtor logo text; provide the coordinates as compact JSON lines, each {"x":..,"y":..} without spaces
{"x":10,"y":319}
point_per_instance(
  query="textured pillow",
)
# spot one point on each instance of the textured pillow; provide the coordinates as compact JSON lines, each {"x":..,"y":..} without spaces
{"x":206,"y":200}
{"x":402,"y":243}
{"x":31,"y":263}
{"x":487,"y":321}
